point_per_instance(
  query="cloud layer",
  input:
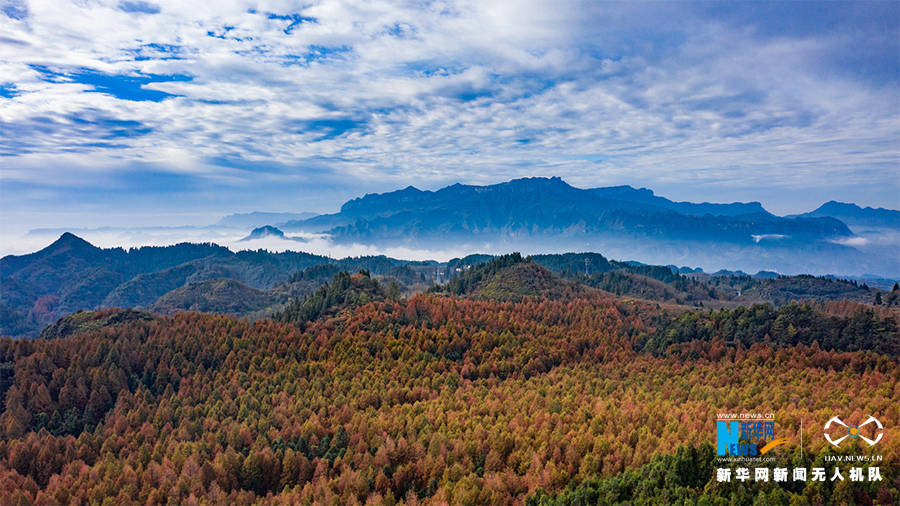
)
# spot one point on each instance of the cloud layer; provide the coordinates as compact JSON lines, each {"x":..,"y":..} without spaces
{"x":280,"y":105}
{"x":232,"y":238}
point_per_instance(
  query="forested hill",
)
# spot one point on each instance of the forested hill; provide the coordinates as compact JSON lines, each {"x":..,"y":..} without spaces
{"x":344,"y":292}
{"x":71,"y":275}
{"x":493,"y":277}
{"x":508,"y":277}
{"x":435,"y":399}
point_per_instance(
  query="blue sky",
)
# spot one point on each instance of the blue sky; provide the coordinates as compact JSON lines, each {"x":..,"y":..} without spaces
{"x":116,"y":112}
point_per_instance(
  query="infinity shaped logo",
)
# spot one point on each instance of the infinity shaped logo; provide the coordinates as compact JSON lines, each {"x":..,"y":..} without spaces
{"x":853,"y":431}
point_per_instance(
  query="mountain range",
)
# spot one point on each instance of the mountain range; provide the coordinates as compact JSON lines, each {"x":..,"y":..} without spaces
{"x":71,"y":275}
{"x":551,"y":207}
{"x":541,"y":216}
{"x":549,"y":215}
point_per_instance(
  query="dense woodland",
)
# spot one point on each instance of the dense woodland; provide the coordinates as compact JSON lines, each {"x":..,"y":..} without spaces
{"x":71,"y":275}
{"x":558,"y":395}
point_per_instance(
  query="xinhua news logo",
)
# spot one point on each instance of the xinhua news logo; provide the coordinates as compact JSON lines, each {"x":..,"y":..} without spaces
{"x":746,"y":435}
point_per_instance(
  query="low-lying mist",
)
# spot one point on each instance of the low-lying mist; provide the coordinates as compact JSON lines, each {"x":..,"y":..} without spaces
{"x":232,"y":238}
{"x":878,"y":247}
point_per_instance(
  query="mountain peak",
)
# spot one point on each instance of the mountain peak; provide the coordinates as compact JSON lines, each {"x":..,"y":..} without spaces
{"x":378,"y":200}
{"x":626,"y":192}
{"x":69,"y":237}
{"x":855,"y":215}
{"x":69,"y":240}
{"x":834,"y":204}
{"x":264,"y":231}
{"x":539,"y":181}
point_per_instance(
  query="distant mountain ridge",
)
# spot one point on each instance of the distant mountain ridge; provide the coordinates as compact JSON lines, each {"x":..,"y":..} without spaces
{"x":646,"y":196}
{"x":551,"y":207}
{"x":542,"y":215}
{"x":854,"y":215}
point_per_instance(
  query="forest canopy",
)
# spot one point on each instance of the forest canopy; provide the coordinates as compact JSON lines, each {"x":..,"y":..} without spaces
{"x":357,"y":396}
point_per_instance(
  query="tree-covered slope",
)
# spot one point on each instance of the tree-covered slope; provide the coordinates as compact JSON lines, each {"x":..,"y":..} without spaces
{"x":345,"y":291}
{"x":507,"y":277}
{"x":89,"y":321}
{"x":435,"y":400}
{"x":221,"y":295}
{"x":71,"y":275}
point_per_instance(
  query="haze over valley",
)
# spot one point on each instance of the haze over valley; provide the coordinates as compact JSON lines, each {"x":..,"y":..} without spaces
{"x":547,"y":215}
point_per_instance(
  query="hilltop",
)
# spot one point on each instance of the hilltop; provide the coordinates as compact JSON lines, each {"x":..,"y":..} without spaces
{"x":507,"y":277}
{"x":344,"y":292}
{"x":263,"y":232}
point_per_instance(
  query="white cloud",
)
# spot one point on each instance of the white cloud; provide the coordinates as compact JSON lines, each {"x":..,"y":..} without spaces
{"x":319,"y":244}
{"x":853,"y":241}
{"x":439,"y":92}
